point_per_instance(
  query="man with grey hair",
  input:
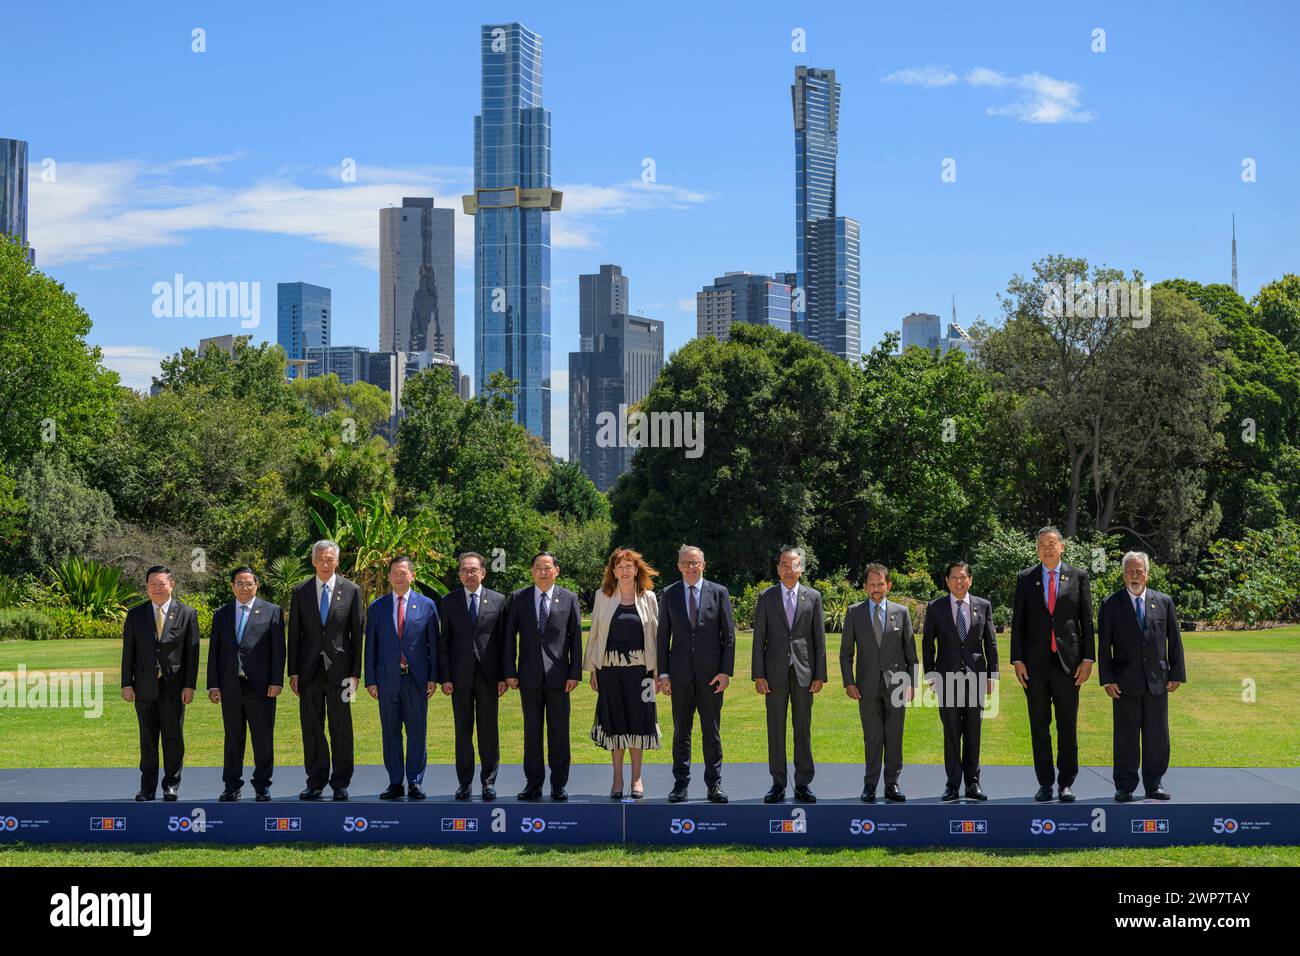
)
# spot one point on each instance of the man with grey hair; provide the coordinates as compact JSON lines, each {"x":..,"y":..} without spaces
{"x":1052,"y":652}
{"x":1140,"y":663}
{"x":696,"y":645}
{"x":325,"y":642}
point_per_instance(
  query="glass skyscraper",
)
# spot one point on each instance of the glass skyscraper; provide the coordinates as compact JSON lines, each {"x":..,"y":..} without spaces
{"x":303,"y":318}
{"x":13,"y":190}
{"x":417,"y":278}
{"x":512,"y":205}
{"x":827,"y":265}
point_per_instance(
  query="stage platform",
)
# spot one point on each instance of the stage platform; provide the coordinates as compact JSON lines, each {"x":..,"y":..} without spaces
{"x":1211,"y":805}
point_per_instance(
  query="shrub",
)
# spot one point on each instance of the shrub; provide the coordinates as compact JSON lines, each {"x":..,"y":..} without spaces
{"x":1256,"y":579}
{"x":91,"y":587}
{"x":26,"y":624}
{"x":17,"y":592}
{"x":72,"y":625}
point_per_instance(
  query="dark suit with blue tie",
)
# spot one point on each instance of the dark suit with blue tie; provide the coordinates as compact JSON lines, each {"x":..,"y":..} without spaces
{"x":402,"y":667}
{"x":1140,"y":655}
{"x":246,"y":654}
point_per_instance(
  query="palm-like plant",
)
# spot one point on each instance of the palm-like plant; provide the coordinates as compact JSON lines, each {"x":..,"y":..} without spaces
{"x":93,"y":588}
{"x":282,"y":575}
{"x":370,"y":535}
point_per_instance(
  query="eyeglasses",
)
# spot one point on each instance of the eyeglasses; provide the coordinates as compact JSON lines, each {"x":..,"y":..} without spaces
{"x":691,"y":564}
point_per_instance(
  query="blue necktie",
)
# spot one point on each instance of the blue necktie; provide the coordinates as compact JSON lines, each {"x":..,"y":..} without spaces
{"x":243,"y":619}
{"x":961,"y":625}
{"x":544,"y":614}
{"x":473,"y":609}
{"x":324,"y":603}
{"x":1141,"y":613}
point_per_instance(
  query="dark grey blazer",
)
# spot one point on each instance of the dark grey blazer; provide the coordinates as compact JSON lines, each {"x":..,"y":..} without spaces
{"x":774,"y":639}
{"x":863,"y":664}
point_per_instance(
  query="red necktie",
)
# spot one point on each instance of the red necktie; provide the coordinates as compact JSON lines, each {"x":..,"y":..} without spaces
{"x":1051,"y":602}
{"x":401,"y":623}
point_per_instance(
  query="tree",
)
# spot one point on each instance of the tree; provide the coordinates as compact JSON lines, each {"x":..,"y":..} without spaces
{"x":367,"y":406}
{"x":470,"y":462}
{"x":54,"y":390}
{"x":1277,"y":310}
{"x":568,"y":491}
{"x":64,"y":516}
{"x":773,"y":408}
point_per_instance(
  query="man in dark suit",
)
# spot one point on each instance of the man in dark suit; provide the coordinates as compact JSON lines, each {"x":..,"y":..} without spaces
{"x":245,"y":676}
{"x":469,"y":668}
{"x":401,"y":664}
{"x":160,"y":668}
{"x":696,"y":644}
{"x":1140,"y":663}
{"x":324,"y":669}
{"x":1052,"y":650}
{"x":878,"y":633}
{"x":789,"y":667}
{"x":542,"y":658}
{"x":959,"y":653}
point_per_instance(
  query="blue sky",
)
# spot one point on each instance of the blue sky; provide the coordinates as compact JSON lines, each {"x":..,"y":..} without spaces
{"x":224,"y":166}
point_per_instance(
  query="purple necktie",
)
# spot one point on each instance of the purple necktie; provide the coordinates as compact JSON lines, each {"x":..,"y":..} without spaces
{"x":789,"y":609}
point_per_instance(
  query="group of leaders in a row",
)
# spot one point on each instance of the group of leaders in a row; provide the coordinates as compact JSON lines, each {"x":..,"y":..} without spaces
{"x":476,"y":644}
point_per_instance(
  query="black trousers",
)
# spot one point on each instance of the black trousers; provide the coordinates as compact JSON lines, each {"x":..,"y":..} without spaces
{"x":790,"y":696}
{"x":690,"y":697}
{"x":882,"y":736}
{"x":961,"y":697}
{"x":317,"y":700}
{"x":257,"y":713}
{"x":1051,"y":692}
{"x":1141,"y":718}
{"x":161,"y":718}
{"x":470,"y":705}
{"x":549,"y":704}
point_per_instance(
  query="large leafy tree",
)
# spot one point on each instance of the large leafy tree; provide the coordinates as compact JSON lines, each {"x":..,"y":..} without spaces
{"x":54,"y":390}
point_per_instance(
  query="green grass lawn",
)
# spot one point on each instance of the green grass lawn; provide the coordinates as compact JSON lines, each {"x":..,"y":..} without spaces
{"x":1213,"y":722}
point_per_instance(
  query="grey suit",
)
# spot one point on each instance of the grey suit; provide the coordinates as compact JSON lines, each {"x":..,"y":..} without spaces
{"x":885,"y":668}
{"x":789,"y":659}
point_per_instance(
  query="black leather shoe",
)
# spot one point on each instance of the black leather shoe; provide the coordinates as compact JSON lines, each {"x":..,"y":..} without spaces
{"x":144,"y":795}
{"x":171,"y":794}
{"x":489,"y":792}
{"x":775,"y":795}
{"x":340,"y":793}
{"x":530,"y":793}
{"x":678,"y":793}
{"x":616,"y":795}
{"x":949,"y":794}
{"x":1044,"y":793}
{"x":559,"y":793}
{"x":462,"y":792}
{"x":414,"y":792}
{"x":228,"y":796}
{"x":975,"y":793}
{"x":717,"y":795}
{"x":1159,"y":793}
{"x":1066,"y":795}
{"x":1123,"y":796}
{"x":395,"y":791}
{"x":868,"y":796}
{"x":804,"y":795}
{"x":263,"y":795}
{"x":893,"y":794}
{"x":311,"y":793}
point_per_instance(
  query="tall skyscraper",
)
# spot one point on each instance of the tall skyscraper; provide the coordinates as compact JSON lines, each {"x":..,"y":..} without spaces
{"x":1234,"y":252}
{"x":827,"y":259}
{"x":921,"y":329}
{"x":417,"y":278}
{"x":303,"y":318}
{"x":600,"y":294}
{"x":13,"y":190}
{"x":741,"y":297}
{"x":512,"y":205}
{"x":626,"y":357}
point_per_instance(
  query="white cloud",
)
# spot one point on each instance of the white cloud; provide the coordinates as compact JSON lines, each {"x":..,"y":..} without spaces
{"x":1043,"y":99}
{"x":136,"y":365}
{"x":923,"y":76}
{"x":98,"y":211}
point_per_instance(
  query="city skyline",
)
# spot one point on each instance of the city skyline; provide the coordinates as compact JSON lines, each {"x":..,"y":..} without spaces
{"x":1040,"y":168}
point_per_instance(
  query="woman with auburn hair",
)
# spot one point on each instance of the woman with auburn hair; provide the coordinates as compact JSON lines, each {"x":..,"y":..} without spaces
{"x":622,"y":657}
